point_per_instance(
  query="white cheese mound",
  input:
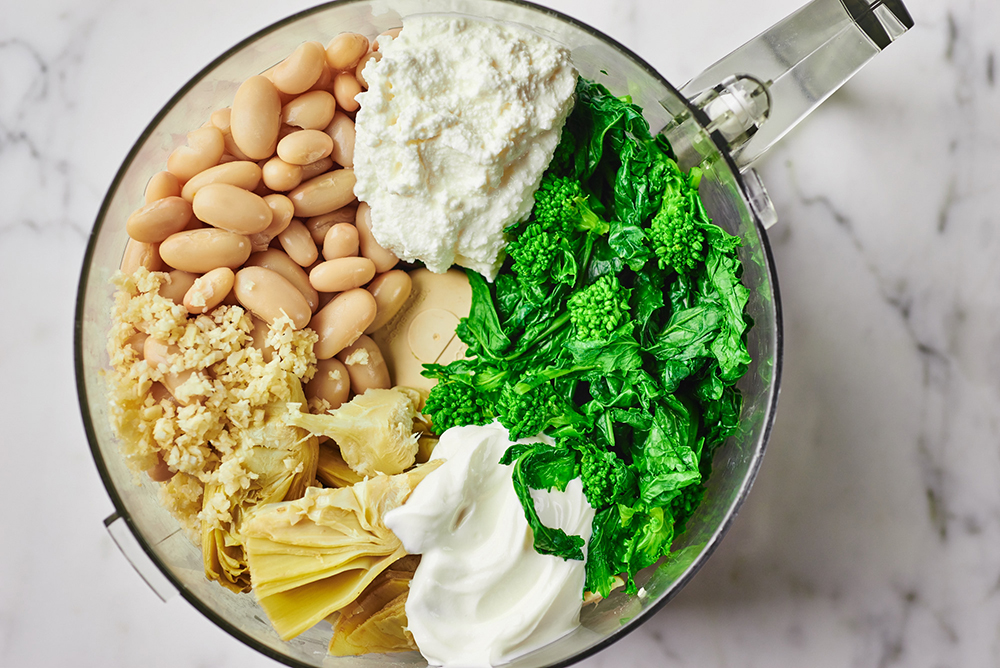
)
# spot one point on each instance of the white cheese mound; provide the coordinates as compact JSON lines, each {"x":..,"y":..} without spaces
{"x":460,"y":119}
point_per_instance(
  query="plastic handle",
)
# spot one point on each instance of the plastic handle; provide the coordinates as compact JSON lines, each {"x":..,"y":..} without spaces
{"x":120,"y":532}
{"x":759,"y":92}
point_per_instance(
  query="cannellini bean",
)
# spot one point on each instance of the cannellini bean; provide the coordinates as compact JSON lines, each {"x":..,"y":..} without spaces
{"x":201,"y":251}
{"x":331,"y":383}
{"x":341,"y":131}
{"x":159,"y":472}
{"x":258,"y":338}
{"x":325,"y":298}
{"x":342,"y":321}
{"x":342,"y":274}
{"x":314,"y":169}
{"x":318,"y":226}
{"x":204,"y":148}
{"x":384,"y":259}
{"x":305,"y":147}
{"x":341,"y":240}
{"x":137,"y":341}
{"x":323,"y":194}
{"x":345,"y":50}
{"x":345,"y":88}
{"x":298,"y":243}
{"x":268,"y":295}
{"x":262,"y":190}
{"x":310,"y":111}
{"x":279,"y":262}
{"x":286,"y":130}
{"x":280,"y":175}
{"x":231,"y":208}
{"x":300,"y":70}
{"x":209,"y":290}
{"x":221,"y":119}
{"x":157,"y":353}
{"x":392,"y":33}
{"x":365,"y":365}
{"x":390,"y":290}
{"x":360,"y":69}
{"x":323,"y":83}
{"x":160,"y":394}
{"x":233,"y":150}
{"x":139,"y":254}
{"x":240,"y":173}
{"x":160,"y":185}
{"x":256,"y":117}
{"x":281,"y":215}
{"x":159,"y":219}
{"x":177,"y":284}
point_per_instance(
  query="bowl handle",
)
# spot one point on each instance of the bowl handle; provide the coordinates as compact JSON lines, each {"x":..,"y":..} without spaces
{"x":124,"y":537}
{"x":763,"y":89}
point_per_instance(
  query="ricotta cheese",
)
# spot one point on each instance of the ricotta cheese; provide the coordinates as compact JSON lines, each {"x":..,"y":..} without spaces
{"x":460,"y":119}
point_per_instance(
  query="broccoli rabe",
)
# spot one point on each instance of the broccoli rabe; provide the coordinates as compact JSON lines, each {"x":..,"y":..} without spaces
{"x":606,"y":478}
{"x":599,"y":309}
{"x":676,"y":239}
{"x":562,"y":206}
{"x":536,"y":252}
{"x":562,"y":159}
{"x":618,"y":313}
{"x":455,"y":404}
{"x":527,"y":414}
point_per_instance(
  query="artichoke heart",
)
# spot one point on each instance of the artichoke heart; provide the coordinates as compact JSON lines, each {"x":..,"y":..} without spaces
{"x":273,"y":462}
{"x":310,"y":557}
{"x":332,"y":470}
{"x":376,"y":621}
{"x":375,"y":430}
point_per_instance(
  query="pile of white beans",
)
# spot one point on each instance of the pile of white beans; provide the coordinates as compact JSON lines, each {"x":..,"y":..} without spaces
{"x":245,"y":209}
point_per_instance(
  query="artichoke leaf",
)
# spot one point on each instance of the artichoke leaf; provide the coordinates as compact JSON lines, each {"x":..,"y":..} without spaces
{"x":332,"y":470}
{"x":376,"y":621}
{"x":374,"y":430}
{"x":310,"y":557}
{"x":274,"y":462}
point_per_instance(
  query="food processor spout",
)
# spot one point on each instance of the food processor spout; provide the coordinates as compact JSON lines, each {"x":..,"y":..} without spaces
{"x":760,"y":91}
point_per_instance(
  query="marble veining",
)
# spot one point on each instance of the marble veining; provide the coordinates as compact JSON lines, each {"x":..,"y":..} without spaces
{"x":871,"y":538}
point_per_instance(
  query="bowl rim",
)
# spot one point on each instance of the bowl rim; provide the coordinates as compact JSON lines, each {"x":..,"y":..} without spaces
{"x":80,"y":372}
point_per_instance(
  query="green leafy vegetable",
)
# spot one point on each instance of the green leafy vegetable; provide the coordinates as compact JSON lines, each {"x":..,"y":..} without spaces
{"x":542,"y":466}
{"x":599,"y":310}
{"x":616,"y":326}
{"x":457,"y":404}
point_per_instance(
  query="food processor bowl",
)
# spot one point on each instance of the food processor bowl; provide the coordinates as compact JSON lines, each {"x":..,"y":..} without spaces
{"x":714,"y":130}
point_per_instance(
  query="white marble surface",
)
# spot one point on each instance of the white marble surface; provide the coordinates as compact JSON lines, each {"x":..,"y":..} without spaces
{"x":872,"y":536}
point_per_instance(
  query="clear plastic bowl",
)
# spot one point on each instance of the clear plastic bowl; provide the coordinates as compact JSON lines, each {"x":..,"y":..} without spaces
{"x":597,"y":56}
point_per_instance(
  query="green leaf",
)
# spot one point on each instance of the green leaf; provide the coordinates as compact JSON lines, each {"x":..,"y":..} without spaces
{"x":542,"y":466}
{"x":666,"y":459}
{"x":481,"y":330}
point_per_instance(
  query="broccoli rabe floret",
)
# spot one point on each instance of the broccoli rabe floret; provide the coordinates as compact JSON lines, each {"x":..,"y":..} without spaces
{"x":683,"y":505}
{"x":526,"y":415}
{"x":562,"y":158}
{"x":561,"y":206}
{"x":535,"y":252}
{"x":455,"y":404}
{"x":599,"y":309}
{"x":606,"y":478}
{"x":676,"y":240}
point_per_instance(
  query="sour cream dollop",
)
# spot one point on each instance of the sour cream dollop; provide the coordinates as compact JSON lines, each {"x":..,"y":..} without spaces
{"x":481,"y":595}
{"x":460,"y":119}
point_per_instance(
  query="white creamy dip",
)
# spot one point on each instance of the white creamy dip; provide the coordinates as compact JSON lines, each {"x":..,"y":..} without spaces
{"x":460,"y":119}
{"x":481,"y":595}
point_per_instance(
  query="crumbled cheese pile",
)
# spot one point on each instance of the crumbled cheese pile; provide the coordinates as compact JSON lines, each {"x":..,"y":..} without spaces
{"x":458,"y":124}
{"x":199,"y":434}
